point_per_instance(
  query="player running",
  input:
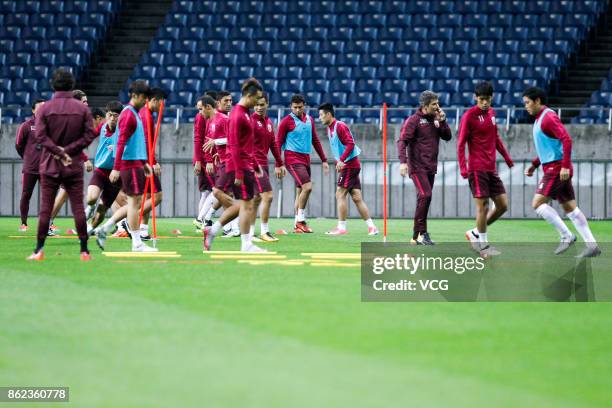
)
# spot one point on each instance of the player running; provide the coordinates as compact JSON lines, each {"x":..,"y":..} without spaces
{"x":29,"y":150}
{"x":346,"y":153}
{"x":554,"y":148}
{"x":265,"y":141}
{"x":418,"y":154}
{"x":101,"y":193}
{"x":478,"y":130}
{"x":131,"y":163}
{"x":242,"y":167}
{"x":205,"y":181}
{"x":64,"y":127}
{"x":296,"y":136}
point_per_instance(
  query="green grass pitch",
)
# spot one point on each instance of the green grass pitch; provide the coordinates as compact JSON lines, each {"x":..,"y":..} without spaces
{"x":197,"y":332}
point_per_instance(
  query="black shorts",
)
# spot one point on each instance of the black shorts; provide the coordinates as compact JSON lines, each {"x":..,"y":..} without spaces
{"x":485,"y":184}
{"x":263,"y":182}
{"x":247,"y":190}
{"x":348,"y":178}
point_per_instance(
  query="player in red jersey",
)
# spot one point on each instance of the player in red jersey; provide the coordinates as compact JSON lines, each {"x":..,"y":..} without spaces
{"x":64,"y":128}
{"x":296,"y":136}
{"x":265,"y":142}
{"x":346,"y":153}
{"x":156,"y":97}
{"x":554,"y":147}
{"x":243,"y":168}
{"x":478,"y":131}
{"x":206,"y":181}
{"x":29,"y":150}
{"x":418,"y":154}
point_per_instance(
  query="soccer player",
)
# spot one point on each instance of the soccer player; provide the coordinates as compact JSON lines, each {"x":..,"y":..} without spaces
{"x":131,"y":163}
{"x":29,"y":150}
{"x":224,"y":102}
{"x":346,"y":153}
{"x":206,"y":181}
{"x":479,"y":131}
{"x":64,"y":127}
{"x":554,"y":148}
{"x":100,"y":187}
{"x":242,"y":167}
{"x":418,"y":154}
{"x":157,"y":96}
{"x":264,"y":142}
{"x":296,"y":136}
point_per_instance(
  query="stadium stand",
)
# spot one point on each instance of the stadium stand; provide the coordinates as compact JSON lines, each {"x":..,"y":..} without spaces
{"x":355,"y":53}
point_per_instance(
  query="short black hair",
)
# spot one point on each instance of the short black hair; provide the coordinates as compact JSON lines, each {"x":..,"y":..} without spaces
{"x":114,"y":107}
{"x":211,"y":93}
{"x":36,"y":102}
{"x":484,"y":89}
{"x":250,"y":87}
{"x":298,"y":98}
{"x":62,"y":80}
{"x":158,"y":93}
{"x":222,"y":94}
{"x":97,"y":113}
{"x":266,"y":97}
{"x":328,"y":108}
{"x":207,"y":100}
{"x":78,"y":94}
{"x":139,"y":87}
{"x":535,"y":93}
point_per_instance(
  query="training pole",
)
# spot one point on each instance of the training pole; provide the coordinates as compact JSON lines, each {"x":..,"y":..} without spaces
{"x":384,"y":152}
{"x":148,"y":180}
{"x":151,"y":157}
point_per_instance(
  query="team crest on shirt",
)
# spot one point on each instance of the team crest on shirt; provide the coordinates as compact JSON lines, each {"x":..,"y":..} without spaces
{"x":246,"y":115}
{"x":212,"y":127}
{"x":423,"y":122}
{"x":33,"y":128}
{"x":493,"y":120}
{"x":269,"y":127}
{"x":260,"y":124}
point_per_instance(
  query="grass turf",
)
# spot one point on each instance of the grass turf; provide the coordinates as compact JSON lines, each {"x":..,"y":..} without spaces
{"x":193,"y":331}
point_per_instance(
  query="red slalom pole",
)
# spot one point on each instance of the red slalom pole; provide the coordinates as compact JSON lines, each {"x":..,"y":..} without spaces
{"x":151,"y":156}
{"x":384,"y":152}
{"x":148,"y":181}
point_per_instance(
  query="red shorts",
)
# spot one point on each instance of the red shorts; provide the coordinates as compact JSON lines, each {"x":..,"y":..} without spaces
{"x":300,"y":173}
{"x":247,"y":190}
{"x":551,"y":186}
{"x":224,"y":180}
{"x":263,"y":182}
{"x":348,"y":178}
{"x":485,"y":184}
{"x":133,"y":181}
{"x":109,"y":190}
{"x":205,"y":181}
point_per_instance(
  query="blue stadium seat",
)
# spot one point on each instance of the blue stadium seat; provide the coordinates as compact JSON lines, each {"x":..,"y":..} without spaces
{"x":170,"y":71}
{"x":499,"y":58}
{"x":537,"y":72}
{"x":390,"y":33}
{"x":314,"y":72}
{"x":284,"y":46}
{"x":368,"y":85}
{"x":548,"y":58}
{"x":337,"y":98}
{"x":291,"y":71}
{"x":324,"y":58}
{"x":449,"y":59}
{"x":478,"y":20}
{"x":319,"y":85}
{"x":374,"y":59}
{"x":399,"y":59}
{"x":26,"y":84}
{"x":414,"y":72}
{"x":432,"y":46}
{"x":394,"y":85}
{"x":25,"y":45}
{"x":5,"y":84}
{"x":293,"y":85}
{"x":349,"y":20}
{"x":567,"y":33}
{"x":266,"y":71}
{"x":462,"y":99}
{"x":323,"y":7}
{"x":180,"y":58}
{"x":407,"y":46}
{"x":145,"y":71}
{"x":73,"y":59}
{"x":360,"y":99}
{"x":270,"y":85}
{"x":501,"y":20}
{"x":301,"y":58}
{"x":219,"y":71}
{"x":340,"y":72}
{"x":419,"y":85}
{"x":512,"y":72}
{"x":424,"y":59}
{"x":19,"y":98}
{"x":202,"y":59}
{"x":524,"y":59}
{"x":342,"y":85}
{"x":241,"y":72}
{"x":552,"y":20}
{"x":298,"y":20}
{"x":487,"y":72}
{"x":200,"y":20}
{"x":348,"y":6}
{"x":446,"y":85}
{"x":313,"y":46}
{"x":576,"y":20}
{"x":502,"y":85}
{"x":441,"y":34}
{"x":473,"y":58}
{"x":441,"y":71}
{"x":348,"y":59}
{"x":466,"y":33}
{"x":462,"y":72}
{"x":277,"y":59}
{"x":450,"y":20}
{"x":365,"y":33}
{"x":397,"y":19}
{"x":325,"y":20}
{"x":416,"y":33}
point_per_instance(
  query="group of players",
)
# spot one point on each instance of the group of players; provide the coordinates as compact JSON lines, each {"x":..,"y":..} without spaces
{"x":230,"y":159}
{"x":418,"y":154}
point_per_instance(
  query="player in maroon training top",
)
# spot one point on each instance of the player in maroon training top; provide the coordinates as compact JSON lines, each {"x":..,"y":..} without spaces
{"x":242,"y":166}
{"x":418,"y":155}
{"x":346,"y":153}
{"x":265,"y":142}
{"x":478,"y":130}
{"x":153,"y":105}
{"x":64,"y":127}
{"x":29,"y":150}
{"x":554,"y":147}
{"x":296,"y":136}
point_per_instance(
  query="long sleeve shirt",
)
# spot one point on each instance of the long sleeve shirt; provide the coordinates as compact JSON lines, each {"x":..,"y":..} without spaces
{"x":345,"y":136}
{"x":478,"y":131}
{"x":199,"y":131}
{"x":146,"y":117}
{"x":27,"y":147}
{"x":63,"y":122}
{"x":551,"y":125}
{"x":127,"y":128}
{"x":288,"y":125}
{"x":240,"y":142}
{"x":419,"y":142}
{"x":265,"y":140}
{"x":218,"y":128}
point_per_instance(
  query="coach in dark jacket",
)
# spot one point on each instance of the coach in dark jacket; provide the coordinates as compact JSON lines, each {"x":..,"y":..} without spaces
{"x":418,"y":154}
{"x":64,"y":127}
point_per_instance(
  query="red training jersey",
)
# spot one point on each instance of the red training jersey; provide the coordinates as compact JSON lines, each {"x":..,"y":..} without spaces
{"x":265,"y":141}
{"x":240,"y":141}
